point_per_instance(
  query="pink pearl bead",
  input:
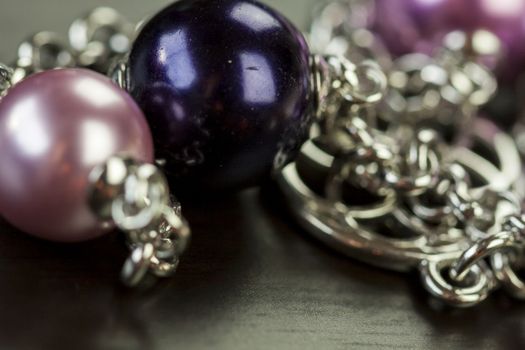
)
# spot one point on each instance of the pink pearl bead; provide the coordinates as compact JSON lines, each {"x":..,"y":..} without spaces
{"x":55,"y":127}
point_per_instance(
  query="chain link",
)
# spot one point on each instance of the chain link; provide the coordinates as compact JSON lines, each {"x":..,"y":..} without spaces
{"x":135,"y":198}
{"x":404,"y":188}
{"x":100,"y":37}
{"x":6,"y":74}
{"x":437,"y":192}
{"x":95,"y":41}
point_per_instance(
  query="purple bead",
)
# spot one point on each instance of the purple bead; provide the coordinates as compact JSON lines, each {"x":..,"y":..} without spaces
{"x":420,"y":25}
{"x":55,"y":127}
{"x":225,"y":87}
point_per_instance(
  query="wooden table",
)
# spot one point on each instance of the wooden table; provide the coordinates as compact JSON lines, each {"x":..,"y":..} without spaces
{"x":251,"y":279}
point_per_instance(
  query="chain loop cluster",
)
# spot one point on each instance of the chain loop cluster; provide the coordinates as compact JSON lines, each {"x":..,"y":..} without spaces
{"x":95,"y":41}
{"x":391,"y":177}
{"x":135,"y":198}
{"x":5,"y":78}
{"x":409,"y":162}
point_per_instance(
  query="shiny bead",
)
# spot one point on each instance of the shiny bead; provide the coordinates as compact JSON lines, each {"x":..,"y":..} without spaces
{"x":420,"y":25}
{"x":55,"y":127}
{"x":225,"y":87}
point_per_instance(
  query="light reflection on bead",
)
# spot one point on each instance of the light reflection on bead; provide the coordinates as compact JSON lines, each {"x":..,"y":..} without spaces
{"x":55,"y":127}
{"x":225,"y":87}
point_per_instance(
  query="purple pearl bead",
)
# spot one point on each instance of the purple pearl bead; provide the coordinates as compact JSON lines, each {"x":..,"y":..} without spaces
{"x":420,"y":25}
{"x":55,"y":127}
{"x":225,"y":87}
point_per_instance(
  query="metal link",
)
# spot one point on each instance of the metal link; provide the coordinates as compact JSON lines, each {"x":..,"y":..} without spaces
{"x":392,"y":181}
{"x":42,"y":51}
{"x":478,"y":287}
{"x":421,"y":164}
{"x":6,"y":74}
{"x":425,"y":91}
{"x":336,"y":81}
{"x":119,"y":73}
{"x":341,"y":29}
{"x":479,"y":251}
{"x":135,"y":198}
{"x":501,"y":263}
{"x":99,"y":37}
{"x":96,"y":41}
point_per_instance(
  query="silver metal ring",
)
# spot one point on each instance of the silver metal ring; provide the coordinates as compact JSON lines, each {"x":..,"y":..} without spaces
{"x":480,"y":250}
{"x":138,"y":264}
{"x":432,"y":273}
{"x":337,"y":229}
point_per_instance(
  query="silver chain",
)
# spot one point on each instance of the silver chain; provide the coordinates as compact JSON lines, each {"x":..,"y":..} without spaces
{"x":94,"y":41}
{"x":408,"y":177}
{"x":135,"y":197}
{"x":5,"y":78}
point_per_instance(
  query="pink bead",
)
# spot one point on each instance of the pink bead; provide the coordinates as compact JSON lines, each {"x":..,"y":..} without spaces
{"x":55,"y":127}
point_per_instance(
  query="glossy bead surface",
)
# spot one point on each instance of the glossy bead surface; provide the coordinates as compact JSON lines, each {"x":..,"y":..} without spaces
{"x":420,"y":25}
{"x":55,"y":127}
{"x":225,"y":87}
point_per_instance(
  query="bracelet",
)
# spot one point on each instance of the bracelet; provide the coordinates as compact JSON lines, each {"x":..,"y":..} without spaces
{"x":376,"y":142}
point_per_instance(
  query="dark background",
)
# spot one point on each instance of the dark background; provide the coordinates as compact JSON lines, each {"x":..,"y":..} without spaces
{"x":250,"y":280}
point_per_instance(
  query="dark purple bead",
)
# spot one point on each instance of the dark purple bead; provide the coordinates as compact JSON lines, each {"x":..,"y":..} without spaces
{"x":225,"y":87}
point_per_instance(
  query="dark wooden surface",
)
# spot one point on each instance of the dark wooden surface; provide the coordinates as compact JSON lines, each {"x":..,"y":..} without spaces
{"x":251,"y":279}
